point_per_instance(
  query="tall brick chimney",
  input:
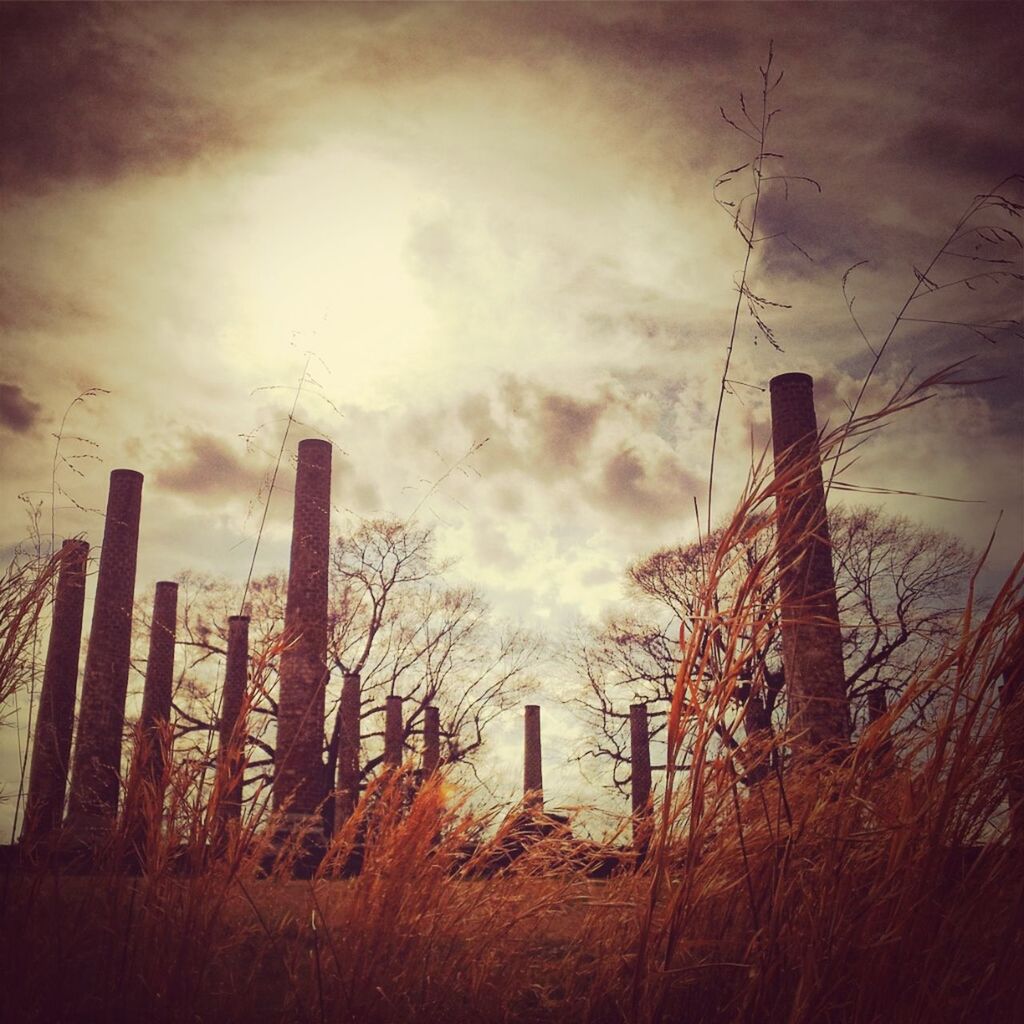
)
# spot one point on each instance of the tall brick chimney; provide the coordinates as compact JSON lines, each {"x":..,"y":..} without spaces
{"x":348,"y":750}
{"x":231,"y":743}
{"x":812,"y":650}
{"x":96,"y":766}
{"x":393,"y":739}
{"x":51,"y":753}
{"x":640,"y":772}
{"x":298,"y":763}
{"x":431,"y":740}
{"x":533,"y":780}
{"x":156,"y":696}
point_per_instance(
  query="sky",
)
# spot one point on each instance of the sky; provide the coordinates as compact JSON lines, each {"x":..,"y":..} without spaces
{"x":490,"y":232}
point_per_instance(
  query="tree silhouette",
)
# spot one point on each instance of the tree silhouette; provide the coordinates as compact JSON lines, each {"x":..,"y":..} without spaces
{"x":898,"y":583}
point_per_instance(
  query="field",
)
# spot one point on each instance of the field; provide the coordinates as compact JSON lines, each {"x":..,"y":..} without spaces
{"x":848,"y":911}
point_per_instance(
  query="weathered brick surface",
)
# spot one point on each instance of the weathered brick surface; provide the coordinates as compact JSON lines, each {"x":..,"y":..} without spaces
{"x":533,"y":779}
{"x":640,"y":758}
{"x":348,"y":750}
{"x":97,"y":758}
{"x":811,"y":641}
{"x":298,"y":761}
{"x":156,"y":696}
{"x":144,"y":799}
{"x":231,"y":749}
{"x":431,"y":740}
{"x":640,"y":774}
{"x":51,"y":752}
{"x":393,"y":731}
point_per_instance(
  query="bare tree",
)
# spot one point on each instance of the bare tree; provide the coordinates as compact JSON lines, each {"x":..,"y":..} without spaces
{"x":408,"y":634}
{"x":899,"y":585}
{"x":393,"y":619}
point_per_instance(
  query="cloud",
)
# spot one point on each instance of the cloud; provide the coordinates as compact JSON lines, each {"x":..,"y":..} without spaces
{"x":25,"y":306}
{"x":208,"y":468}
{"x":352,"y":489}
{"x":603,"y":449}
{"x":666,"y":37}
{"x":651,"y":486}
{"x":91,"y":94}
{"x":566,"y":427}
{"x":17,"y":412}
{"x":969,"y":146}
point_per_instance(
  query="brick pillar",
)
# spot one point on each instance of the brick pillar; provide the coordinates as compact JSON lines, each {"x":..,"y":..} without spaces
{"x":156,"y":697}
{"x":298,"y":763}
{"x":48,"y":776}
{"x":393,"y":732}
{"x":231,"y":745}
{"x":640,"y":781}
{"x":97,"y":759}
{"x":812,"y":650}
{"x":533,"y":781}
{"x":431,"y":740}
{"x":348,"y":749}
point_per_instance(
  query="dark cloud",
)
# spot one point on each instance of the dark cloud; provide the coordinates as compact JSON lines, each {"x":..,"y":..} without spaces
{"x":658,"y":35}
{"x":542,"y":431}
{"x":565,"y":427}
{"x":26,"y":307}
{"x":603,"y":448}
{"x":91,"y":92}
{"x":208,"y":467}
{"x":17,"y":412}
{"x":531,"y":428}
{"x":645,"y":487}
{"x":973,"y":148}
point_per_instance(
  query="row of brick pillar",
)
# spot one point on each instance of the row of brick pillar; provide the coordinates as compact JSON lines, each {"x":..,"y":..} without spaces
{"x":299,"y":789}
{"x":95,"y":771}
{"x":812,"y":654}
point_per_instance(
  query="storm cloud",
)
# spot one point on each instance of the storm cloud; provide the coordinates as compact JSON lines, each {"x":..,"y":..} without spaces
{"x":17,"y":411}
{"x":207,"y":467}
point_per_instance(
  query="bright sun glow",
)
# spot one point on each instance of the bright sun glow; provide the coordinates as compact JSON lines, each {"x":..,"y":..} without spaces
{"x":318,"y":261}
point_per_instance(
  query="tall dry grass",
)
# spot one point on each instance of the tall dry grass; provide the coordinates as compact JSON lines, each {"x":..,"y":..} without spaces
{"x":882,"y":885}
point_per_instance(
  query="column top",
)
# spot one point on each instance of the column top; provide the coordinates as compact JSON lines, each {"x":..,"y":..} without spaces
{"x":238,"y":618}
{"x":791,"y":380}
{"x":314,"y":444}
{"x":126,"y":474}
{"x":165,"y":584}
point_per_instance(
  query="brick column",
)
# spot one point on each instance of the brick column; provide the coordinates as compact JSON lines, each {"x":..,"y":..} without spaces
{"x":48,"y":777}
{"x":231,"y":745}
{"x":298,"y":761}
{"x":348,"y":750}
{"x":640,"y":772}
{"x":431,"y":740}
{"x":533,"y":781}
{"x":812,"y":650}
{"x":156,"y":697}
{"x":97,"y":760}
{"x":393,"y":732}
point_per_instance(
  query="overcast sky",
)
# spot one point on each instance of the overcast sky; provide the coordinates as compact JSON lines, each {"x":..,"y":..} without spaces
{"x":485,"y":222}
